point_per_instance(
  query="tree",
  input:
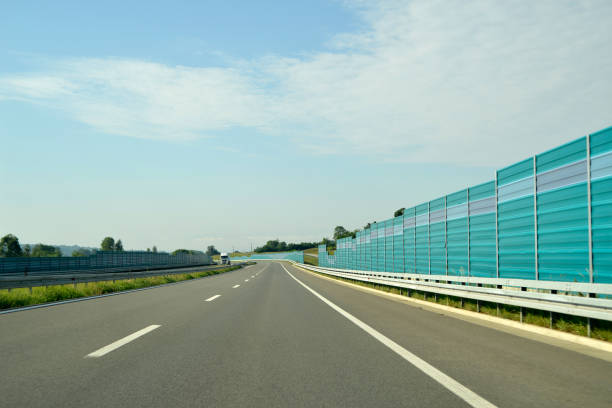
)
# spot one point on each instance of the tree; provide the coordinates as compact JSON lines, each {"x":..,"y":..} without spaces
{"x":148,"y":249}
{"x":81,"y":252}
{"x":119,"y":245}
{"x":186,"y":251}
{"x":399,"y":212}
{"x":211,"y":250}
{"x":108,"y":244}
{"x":340,"y":232}
{"x":27,"y":250}
{"x":42,"y":250}
{"x":9,"y":246}
{"x":154,"y":249}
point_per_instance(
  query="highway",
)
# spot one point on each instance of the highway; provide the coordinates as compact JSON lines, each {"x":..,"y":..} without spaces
{"x":273,"y":335}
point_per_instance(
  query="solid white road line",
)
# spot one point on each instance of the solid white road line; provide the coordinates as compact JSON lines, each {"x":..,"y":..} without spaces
{"x":113,"y":346}
{"x":235,"y":286}
{"x":246,"y":280}
{"x":453,"y":386}
{"x":210,"y":299}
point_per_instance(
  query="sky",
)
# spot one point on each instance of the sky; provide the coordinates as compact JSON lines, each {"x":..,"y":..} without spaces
{"x":183,"y":124}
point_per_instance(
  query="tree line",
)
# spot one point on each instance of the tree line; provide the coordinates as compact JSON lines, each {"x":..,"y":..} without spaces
{"x":11,"y":248}
{"x":281,"y":246}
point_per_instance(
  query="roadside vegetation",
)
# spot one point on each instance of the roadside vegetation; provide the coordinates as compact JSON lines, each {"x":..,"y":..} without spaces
{"x":44,"y":294}
{"x":600,"y":329}
{"x":309,"y":258}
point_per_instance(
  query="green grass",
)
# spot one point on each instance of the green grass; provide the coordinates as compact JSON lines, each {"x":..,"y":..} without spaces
{"x":44,"y":294}
{"x":600,"y":329}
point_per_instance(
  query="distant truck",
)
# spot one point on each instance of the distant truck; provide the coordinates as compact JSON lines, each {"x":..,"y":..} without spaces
{"x":225,"y":259}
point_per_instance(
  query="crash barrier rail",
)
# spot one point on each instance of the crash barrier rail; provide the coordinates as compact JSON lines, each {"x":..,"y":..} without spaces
{"x":297,"y":256}
{"x":101,"y":260}
{"x":570,"y":298}
{"x":546,"y":218}
{"x":19,"y":281}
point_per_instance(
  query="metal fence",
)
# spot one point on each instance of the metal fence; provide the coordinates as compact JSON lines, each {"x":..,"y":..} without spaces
{"x":100,"y":261}
{"x":546,"y":218}
{"x":297,"y":256}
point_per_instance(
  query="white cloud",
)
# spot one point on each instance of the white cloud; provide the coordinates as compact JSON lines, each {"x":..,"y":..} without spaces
{"x":460,"y":82}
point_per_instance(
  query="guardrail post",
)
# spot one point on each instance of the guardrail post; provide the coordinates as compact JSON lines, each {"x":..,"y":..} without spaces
{"x":588,"y":326}
{"x":521,"y":314}
{"x":551,"y":320}
{"x":477,"y":306}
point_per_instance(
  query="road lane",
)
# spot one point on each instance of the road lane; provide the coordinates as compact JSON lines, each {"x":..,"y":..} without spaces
{"x":273,"y":343}
{"x":508,"y":370}
{"x":270,"y":344}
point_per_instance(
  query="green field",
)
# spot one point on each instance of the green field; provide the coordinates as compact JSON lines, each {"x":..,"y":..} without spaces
{"x":309,"y":259}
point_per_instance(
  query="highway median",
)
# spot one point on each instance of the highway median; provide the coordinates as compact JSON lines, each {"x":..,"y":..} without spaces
{"x":22,"y":297}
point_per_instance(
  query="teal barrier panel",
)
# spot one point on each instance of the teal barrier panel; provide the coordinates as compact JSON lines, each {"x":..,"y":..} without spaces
{"x":483,"y":259}
{"x":516,"y":221}
{"x":547,"y":217}
{"x":373,"y":247}
{"x":362,"y":254}
{"x":422,"y":239}
{"x":101,"y":260}
{"x":323,"y":256}
{"x":368,"y":249}
{"x":389,"y":245}
{"x":353,"y":254}
{"x":563,"y":213}
{"x":601,"y":204}
{"x":358,"y":251}
{"x":409,"y":240}
{"x":342,"y":253}
{"x":457,"y":231}
{"x":381,"y":247}
{"x":437,"y":236}
{"x":398,"y":244}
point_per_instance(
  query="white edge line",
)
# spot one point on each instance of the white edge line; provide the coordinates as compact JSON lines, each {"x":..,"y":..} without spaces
{"x":113,"y":346}
{"x":453,"y":386}
{"x":210,"y":299}
{"x":235,"y":286}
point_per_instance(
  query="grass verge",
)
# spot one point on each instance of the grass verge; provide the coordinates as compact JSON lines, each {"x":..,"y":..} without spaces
{"x":600,"y":329}
{"x":44,"y":294}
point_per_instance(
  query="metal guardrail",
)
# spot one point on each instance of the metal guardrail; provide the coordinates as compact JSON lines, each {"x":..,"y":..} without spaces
{"x":576,"y":299}
{"x":13,"y":281}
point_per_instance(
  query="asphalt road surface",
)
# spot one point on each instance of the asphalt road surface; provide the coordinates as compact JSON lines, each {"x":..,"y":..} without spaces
{"x":282,"y":338}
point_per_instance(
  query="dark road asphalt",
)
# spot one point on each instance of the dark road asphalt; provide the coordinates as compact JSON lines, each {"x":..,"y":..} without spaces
{"x":272,"y":343}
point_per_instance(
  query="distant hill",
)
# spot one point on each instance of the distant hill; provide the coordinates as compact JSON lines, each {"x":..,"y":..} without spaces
{"x":66,"y":250}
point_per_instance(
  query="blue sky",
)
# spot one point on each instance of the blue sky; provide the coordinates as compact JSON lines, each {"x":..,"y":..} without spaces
{"x":183,"y":124}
